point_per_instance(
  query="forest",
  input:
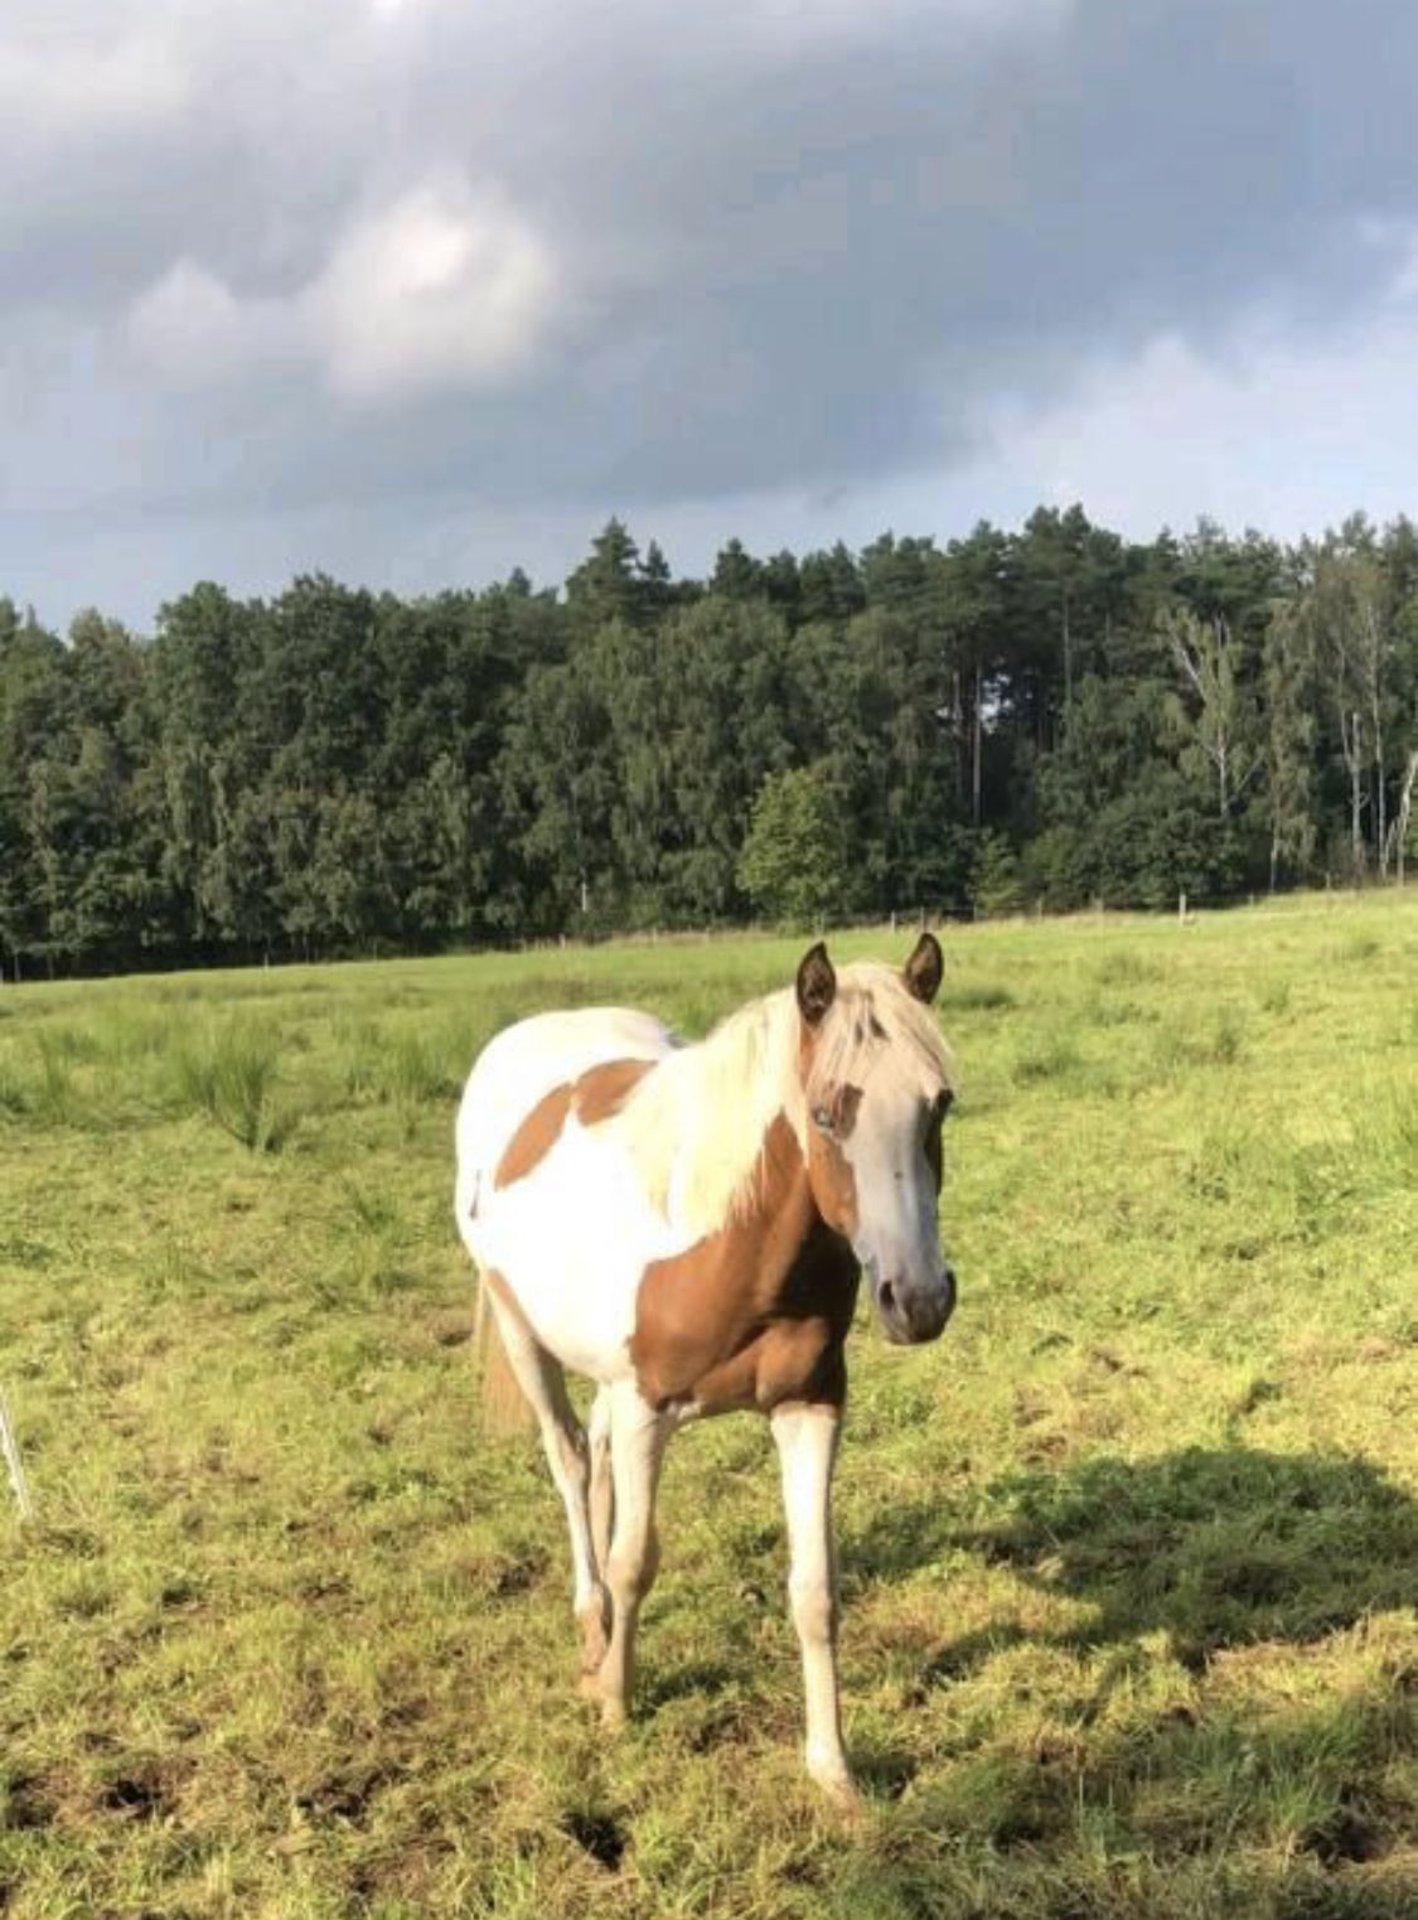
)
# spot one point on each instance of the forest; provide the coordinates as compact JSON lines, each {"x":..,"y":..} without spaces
{"x":1048,"y":718}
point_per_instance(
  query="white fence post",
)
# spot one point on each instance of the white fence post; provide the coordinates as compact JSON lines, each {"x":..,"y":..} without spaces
{"x":10,"y":1444}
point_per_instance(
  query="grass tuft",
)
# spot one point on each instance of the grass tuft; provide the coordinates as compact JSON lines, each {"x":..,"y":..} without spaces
{"x":1125,"y":967}
{"x":231,"y":1073}
{"x":1052,"y":1055}
{"x":1274,"y":995}
{"x":976,"y":996}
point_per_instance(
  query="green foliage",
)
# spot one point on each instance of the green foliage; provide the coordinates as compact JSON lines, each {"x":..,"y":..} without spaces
{"x":999,"y":888}
{"x":795,"y":860}
{"x":1048,"y":717}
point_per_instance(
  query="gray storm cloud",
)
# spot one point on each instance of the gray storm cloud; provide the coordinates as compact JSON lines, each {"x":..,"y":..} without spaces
{"x":264,"y":258}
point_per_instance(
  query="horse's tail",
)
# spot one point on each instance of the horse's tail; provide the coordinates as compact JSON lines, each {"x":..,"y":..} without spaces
{"x":505,"y":1408}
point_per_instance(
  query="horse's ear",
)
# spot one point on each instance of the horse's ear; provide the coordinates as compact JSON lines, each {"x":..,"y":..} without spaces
{"x":923,"y":970}
{"x":817,"y":984}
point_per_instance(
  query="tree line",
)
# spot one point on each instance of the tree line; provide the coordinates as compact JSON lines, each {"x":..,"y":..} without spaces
{"x":1052,"y":716}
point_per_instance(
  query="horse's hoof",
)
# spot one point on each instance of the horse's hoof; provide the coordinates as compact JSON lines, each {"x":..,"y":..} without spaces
{"x":846,"y":1797}
{"x":837,"y":1786}
{"x":592,"y":1687}
{"x":595,"y":1638}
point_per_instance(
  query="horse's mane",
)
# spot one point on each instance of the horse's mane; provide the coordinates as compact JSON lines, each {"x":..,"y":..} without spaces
{"x":696,"y":1126}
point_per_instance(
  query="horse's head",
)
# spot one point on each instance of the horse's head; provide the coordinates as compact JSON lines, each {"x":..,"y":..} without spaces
{"x":876,"y":1080}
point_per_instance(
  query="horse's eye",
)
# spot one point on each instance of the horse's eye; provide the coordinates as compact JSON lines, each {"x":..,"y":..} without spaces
{"x":822,"y":1119}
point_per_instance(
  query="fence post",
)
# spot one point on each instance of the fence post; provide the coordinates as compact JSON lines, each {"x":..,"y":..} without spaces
{"x":10,"y":1445}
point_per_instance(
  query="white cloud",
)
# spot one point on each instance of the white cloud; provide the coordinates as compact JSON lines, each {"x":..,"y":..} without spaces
{"x":1277,"y":430}
{"x":189,"y":325}
{"x":443,"y":289}
{"x":440,"y":290}
{"x":811,"y":17}
{"x":60,"y":87}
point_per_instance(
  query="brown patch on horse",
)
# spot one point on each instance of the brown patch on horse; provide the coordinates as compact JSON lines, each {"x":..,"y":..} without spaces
{"x":597,"y":1095}
{"x":831,"y":1174}
{"x":845,"y":1104}
{"x":756,"y":1313}
{"x":833,"y":1181}
{"x":535,"y":1138}
{"x":604,"y":1090}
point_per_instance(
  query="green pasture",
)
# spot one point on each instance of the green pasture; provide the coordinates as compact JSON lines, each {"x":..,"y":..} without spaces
{"x":1130,"y":1558}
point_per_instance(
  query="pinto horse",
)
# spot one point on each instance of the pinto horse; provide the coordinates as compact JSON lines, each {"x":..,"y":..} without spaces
{"x":687,"y":1226}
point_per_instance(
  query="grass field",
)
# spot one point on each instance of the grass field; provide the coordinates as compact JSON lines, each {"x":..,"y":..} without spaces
{"x":1130,"y":1558}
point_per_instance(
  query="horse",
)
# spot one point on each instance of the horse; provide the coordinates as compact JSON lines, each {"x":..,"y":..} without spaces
{"x":687,"y":1226}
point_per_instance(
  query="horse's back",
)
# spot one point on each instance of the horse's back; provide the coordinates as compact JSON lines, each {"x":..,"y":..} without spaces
{"x":527,"y":1061}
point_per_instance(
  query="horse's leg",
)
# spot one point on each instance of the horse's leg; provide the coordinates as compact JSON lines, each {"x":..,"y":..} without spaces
{"x":602,"y":1487}
{"x":806,"y":1437}
{"x":638,"y":1436}
{"x":541,"y":1378}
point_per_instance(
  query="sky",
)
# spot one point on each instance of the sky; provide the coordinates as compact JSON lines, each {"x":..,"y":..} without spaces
{"x":417,"y":291}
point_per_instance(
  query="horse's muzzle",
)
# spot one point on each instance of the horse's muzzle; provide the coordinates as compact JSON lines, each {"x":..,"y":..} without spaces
{"x":911,"y":1313}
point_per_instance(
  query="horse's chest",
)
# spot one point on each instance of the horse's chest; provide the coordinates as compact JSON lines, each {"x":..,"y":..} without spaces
{"x":745,"y":1320}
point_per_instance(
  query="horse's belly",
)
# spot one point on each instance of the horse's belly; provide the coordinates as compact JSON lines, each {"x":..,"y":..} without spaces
{"x":572,"y":1241}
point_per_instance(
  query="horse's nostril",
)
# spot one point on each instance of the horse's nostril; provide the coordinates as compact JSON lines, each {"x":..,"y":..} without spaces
{"x":886,"y":1294}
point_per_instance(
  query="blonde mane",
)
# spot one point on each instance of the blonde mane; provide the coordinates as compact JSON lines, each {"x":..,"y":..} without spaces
{"x":696,"y":1125}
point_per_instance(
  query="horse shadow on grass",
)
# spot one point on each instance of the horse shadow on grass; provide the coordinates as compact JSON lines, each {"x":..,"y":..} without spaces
{"x":1219,"y":1547}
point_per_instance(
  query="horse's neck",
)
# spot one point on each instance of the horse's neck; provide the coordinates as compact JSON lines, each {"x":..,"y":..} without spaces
{"x":780,"y":1214}
{"x":701,"y":1128}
